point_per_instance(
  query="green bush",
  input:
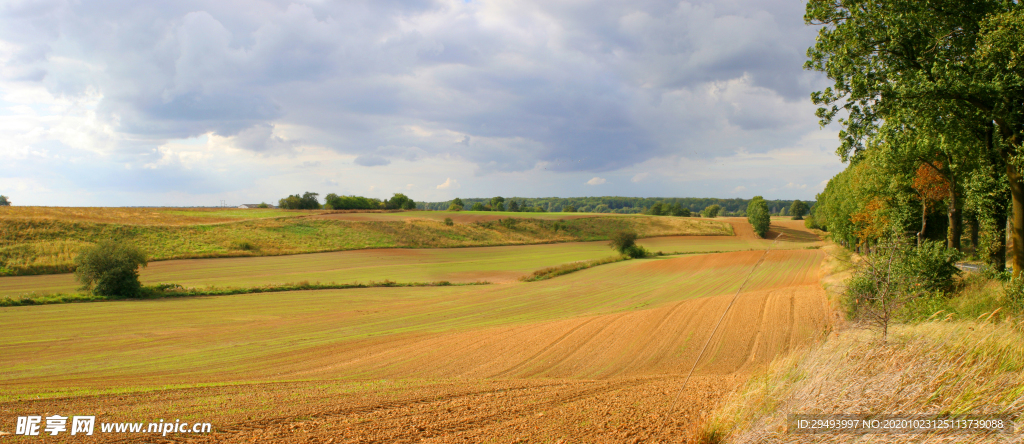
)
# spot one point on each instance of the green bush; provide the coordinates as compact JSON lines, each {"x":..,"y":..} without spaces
{"x":637,"y":252}
{"x":934,"y":265}
{"x":1014,"y":290}
{"x":448,"y":221}
{"x":111,"y":269}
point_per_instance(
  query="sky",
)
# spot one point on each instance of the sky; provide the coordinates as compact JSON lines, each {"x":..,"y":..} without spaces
{"x":119,"y":103}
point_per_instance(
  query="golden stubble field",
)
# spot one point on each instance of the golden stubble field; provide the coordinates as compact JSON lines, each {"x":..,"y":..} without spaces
{"x":594,"y":356}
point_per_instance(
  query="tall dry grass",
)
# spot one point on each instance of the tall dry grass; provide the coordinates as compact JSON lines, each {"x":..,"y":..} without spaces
{"x":935,"y":367}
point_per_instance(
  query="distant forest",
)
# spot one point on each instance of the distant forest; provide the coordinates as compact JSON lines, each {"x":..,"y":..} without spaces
{"x":627,"y":205}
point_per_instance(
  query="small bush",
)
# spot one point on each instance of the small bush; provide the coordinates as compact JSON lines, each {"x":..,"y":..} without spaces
{"x":934,"y":265}
{"x":1014,"y":290}
{"x":448,"y":221}
{"x":111,"y":269}
{"x":244,"y":246}
{"x":990,"y":273}
{"x":637,"y":252}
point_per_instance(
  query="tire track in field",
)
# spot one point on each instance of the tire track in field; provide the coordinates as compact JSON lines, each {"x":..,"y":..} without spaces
{"x":545,"y":349}
{"x":578,"y":348}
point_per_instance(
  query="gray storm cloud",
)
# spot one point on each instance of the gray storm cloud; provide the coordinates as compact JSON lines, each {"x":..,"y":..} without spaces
{"x":607,"y":83}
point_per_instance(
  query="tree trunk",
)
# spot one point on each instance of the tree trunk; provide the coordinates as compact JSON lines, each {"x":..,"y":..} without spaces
{"x":972,"y":224}
{"x":924,"y":221}
{"x":1017,"y":228}
{"x":997,"y":257}
{"x":955,"y":220}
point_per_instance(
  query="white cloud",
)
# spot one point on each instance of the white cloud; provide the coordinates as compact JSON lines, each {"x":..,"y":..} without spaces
{"x":596,"y":181}
{"x":449,"y":184}
{"x":739,"y":189}
{"x":640,"y":177}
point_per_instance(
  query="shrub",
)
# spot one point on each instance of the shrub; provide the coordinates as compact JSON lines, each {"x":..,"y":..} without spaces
{"x":243,"y":245}
{"x":1014,"y":290}
{"x":448,"y":221}
{"x":896,"y":275}
{"x":637,"y":252}
{"x":934,"y":265}
{"x":111,"y":269}
{"x":622,"y":241}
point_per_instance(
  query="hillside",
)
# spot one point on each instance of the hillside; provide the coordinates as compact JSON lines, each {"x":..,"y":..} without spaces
{"x":41,"y":242}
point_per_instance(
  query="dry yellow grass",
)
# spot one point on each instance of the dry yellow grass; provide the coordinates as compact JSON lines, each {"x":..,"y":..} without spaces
{"x":938,"y":367}
{"x":145,"y":216}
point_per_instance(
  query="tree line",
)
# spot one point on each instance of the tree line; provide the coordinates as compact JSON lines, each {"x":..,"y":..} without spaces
{"x":930,"y":100}
{"x":625,"y":205}
{"x":310,"y":201}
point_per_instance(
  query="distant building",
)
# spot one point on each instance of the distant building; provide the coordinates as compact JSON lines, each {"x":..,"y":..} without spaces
{"x":248,"y":206}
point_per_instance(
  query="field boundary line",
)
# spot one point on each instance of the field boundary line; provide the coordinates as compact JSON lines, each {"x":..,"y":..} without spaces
{"x":735,"y":297}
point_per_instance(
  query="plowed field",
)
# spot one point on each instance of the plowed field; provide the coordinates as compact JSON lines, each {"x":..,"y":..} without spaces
{"x":594,"y":356}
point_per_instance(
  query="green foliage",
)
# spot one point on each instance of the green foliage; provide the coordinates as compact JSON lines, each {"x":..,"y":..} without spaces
{"x":798,"y":210}
{"x":454,"y":207}
{"x":513,"y":206}
{"x":399,"y":201}
{"x":4,"y":202}
{"x":758,"y":216}
{"x":336,"y":202}
{"x":497,"y":203}
{"x":637,"y":252}
{"x":458,"y":202}
{"x":569,"y":209}
{"x":712,"y":210}
{"x":623,"y":241}
{"x":811,"y":222}
{"x":479,"y":207}
{"x":934,"y":265}
{"x":615,"y":204}
{"x":263,"y":205}
{"x":1014,"y":294}
{"x":448,"y":221}
{"x":307,"y":201}
{"x":111,"y":269}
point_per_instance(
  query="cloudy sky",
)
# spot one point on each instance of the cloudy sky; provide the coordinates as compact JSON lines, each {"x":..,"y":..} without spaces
{"x":194,"y":102}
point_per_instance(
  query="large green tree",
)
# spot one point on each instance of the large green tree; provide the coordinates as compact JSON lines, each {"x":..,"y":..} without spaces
{"x":798,"y":209}
{"x":892,"y":57}
{"x":4,"y":202}
{"x":758,"y":215}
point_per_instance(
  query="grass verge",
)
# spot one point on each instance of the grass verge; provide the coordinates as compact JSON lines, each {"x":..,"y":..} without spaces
{"x":550,"y":272}
{"x":174,"y":291}
{"x":929,"y":368}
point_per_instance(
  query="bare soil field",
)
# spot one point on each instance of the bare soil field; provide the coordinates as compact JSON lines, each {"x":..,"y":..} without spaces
{"x":594,"y":356}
